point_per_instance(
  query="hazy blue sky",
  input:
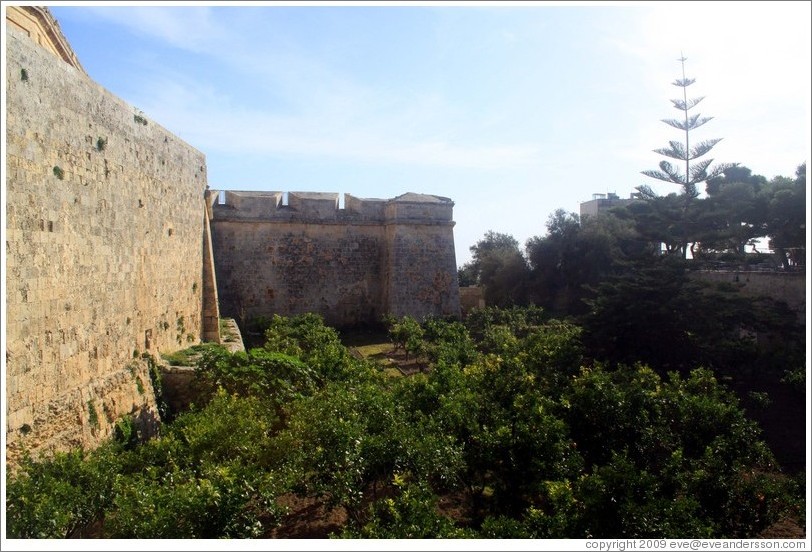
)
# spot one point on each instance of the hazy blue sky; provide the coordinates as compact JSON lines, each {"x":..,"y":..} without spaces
{"x":511,"y":110}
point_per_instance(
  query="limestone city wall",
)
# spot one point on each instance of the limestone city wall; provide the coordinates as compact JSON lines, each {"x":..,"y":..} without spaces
{"x":352,"y":265}
{"x":103,"y":228}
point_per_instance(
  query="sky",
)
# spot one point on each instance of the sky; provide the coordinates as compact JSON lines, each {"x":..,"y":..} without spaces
{"x":512,"y":110}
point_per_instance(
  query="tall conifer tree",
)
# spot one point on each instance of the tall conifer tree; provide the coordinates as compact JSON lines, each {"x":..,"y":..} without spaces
{"x":695,"y":171}
{"x":698,"y":171}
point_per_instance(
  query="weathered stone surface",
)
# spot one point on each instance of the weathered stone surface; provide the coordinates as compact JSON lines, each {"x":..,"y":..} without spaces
{"x":179,"y":387}
{"x":351,"y":265}
{"x":471,"y":297}
{"x":103,"y":241}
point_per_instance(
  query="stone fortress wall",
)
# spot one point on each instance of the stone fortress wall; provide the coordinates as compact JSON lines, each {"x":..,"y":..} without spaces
{"x":352,"y":265}
{"x":103,"y":230}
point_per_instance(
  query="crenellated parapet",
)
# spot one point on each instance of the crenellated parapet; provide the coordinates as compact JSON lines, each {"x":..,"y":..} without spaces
{"x":323,"y":208}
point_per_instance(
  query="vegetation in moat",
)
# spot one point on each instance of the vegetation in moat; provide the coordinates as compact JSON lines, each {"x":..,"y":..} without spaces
{"x":188,"y":356}
{"x":513,"y":430}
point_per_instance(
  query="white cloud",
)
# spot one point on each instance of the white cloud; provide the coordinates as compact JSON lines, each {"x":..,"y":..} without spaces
{"x":192,"y":28}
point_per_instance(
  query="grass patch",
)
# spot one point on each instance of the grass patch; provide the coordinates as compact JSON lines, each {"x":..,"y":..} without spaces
{"x":393,"y":372}
{"x":375,"y":350}
{"x":188,"y":356}
{"x":371,"y":343}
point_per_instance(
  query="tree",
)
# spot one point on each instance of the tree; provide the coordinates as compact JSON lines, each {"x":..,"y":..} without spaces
{"x":661,"y":315}
{"x":700,"y":171}
{"x":731,"y":218}
{"x":786,"y":217}
{"x":406,"y":334}
{"x":731,"y":175}
{"x":661,"y":222}
{"x":466,"y":274}
{"x":500,"y":268}
{"x":683,"y":151}
{"x":575,"y":255}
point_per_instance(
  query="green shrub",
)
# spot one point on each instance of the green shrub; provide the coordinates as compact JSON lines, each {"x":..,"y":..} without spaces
{"x":60,"y":497}
{"x":519,"y":320}
{"x":275,"y":377}
{"x":448,"y":342}
{"x":217,"y":500}
{"x":681,"y":450}
{"x":126,"y":433}
{"x":211,"y":475}
{"x":407,"y":334}
{"x":411,"y":514}
{"x":92,"y":415}
{"x":306,"y":337}
{"x":229,"y":428}
{"x":532,"y":441}
{"x":157,"y":387}
{"x":189,"y":356}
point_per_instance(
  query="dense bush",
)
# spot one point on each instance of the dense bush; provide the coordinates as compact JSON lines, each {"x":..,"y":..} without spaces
{"x":62,"y":496}
{"x":509,"y":434}
{"x":207,"y":477}
{"x":517,"y":319}
{"x":277,"y":377}
{"x":410,"y":514}
{"x":307,"y":338}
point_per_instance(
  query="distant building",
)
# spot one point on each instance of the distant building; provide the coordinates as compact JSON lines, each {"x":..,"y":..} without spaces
{"x":600,"y":203}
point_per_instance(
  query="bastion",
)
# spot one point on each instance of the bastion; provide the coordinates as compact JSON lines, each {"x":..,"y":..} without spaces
{"x":287,"y":254}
